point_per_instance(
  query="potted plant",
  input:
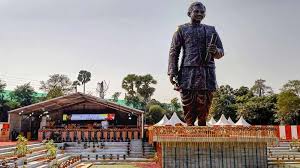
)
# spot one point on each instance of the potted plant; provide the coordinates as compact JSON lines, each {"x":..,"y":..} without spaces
{"x":21,"y":150}
{"x":51,"y":150}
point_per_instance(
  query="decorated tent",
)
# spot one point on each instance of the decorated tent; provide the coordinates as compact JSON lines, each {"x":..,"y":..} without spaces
{"x":175,"y":120}
{"x":211,"y":122}
{"x":242,"y":122}
{"x":230,"y":121}
{"x":163,"y":121}
{"x":222,"y":121}
{"x":196,"y":123}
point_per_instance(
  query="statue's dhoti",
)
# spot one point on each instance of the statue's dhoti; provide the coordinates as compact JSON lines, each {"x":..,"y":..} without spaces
{"x":196,"y":104}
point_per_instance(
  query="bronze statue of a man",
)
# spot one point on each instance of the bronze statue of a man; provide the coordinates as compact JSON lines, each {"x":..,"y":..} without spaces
{"x":196,"y":78}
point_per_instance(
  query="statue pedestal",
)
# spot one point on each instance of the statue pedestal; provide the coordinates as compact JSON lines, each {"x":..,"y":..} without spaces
{"x":212,"y":147}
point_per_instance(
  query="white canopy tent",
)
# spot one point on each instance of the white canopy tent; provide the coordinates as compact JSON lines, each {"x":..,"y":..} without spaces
{"x":163,"y":121}
{"x":196,"y":123}
{"x":222,"y":121}
{"x":211,"y":122}
{"x":230,"y":121}
{"x":175,"y":120}
{"x":242,"y":122}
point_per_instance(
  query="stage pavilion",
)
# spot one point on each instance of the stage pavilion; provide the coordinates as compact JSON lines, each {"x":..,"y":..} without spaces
{"x":77,"y":117}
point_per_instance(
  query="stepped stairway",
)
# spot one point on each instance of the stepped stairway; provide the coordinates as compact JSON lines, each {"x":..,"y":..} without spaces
{"x":93,"y":151}
{"x":38,"y":162}
{"x":149,"y":150}
{"x":7,"y":154}
{"x":111,"y":151}
{"x":136,"y":148}
{"x":283,"y":157}
{"x":36,"y":159}
{"x":7,"y":151}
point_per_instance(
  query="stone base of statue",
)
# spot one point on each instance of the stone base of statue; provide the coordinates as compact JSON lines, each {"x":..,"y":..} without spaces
{"x":212,"y":147}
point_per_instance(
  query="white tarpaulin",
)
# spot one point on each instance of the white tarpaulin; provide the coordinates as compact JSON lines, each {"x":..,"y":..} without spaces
{"x":175,"y":120}
{"x":242,"y":122}
{"x":230,"y":121}
{"x":211,"y":122}
{"x":222,"y":121}
{"x":163,"y":121}
{"x":196,"y":123}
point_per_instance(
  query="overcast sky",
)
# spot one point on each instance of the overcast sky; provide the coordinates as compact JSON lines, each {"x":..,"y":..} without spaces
{"x":112,"y":38}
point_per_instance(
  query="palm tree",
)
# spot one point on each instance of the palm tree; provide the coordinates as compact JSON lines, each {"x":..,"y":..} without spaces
{"x":75,"y":84}
{"x":84,"y":77}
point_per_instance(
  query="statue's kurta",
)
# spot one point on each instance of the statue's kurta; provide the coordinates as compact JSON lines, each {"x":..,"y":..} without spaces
{"x":194,"y":73}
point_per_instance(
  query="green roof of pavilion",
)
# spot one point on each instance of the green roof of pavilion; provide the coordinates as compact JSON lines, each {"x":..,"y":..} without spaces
{"x":6,"y":94}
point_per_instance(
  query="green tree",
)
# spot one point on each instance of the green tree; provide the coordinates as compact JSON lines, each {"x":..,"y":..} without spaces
{"x":24,"y":94}
{"x":3,"y":103}
{"x":2,"y":86}
{"x":116,"y":96}
{"x":223,"y":103}
{"x":293,"y":86}
{"x":288,"y":108}
{"x":259,"y":110}
{"x":138,"y":89}
{"x":128,"y":84}
{"x":84,"y":77}
{"x":243,"y":94}
{"x":75,"y":85}
{"x":143,"y":84}
{"x":154,"y":114}
{"x":57,"y":82}
{"x":242,"y":91}
{"x":12,"y":105}
{"x":54,"y":92}
{"x":260,"y":88}
{"x":175,"y":105}
{"x":154,"y":102}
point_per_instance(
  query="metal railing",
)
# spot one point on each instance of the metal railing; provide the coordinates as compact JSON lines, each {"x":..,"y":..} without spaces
{"x":215,"y":133}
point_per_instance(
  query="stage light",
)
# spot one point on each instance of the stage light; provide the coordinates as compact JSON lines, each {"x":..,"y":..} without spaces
{"x":129,"y":116}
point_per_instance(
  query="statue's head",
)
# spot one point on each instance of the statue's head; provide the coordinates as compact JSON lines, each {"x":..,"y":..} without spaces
{"x":196,"y":11}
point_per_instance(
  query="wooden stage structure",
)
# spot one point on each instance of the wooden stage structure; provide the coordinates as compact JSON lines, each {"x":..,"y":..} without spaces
{"x":75,"y":117}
